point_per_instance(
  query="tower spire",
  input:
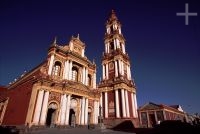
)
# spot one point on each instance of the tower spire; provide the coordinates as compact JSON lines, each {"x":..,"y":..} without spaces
{"x":54,"y":43}
{"x":118,"y":89}
{"x":78,"y":36}
{"x":55,"y":40}
{"x":113,"y":15}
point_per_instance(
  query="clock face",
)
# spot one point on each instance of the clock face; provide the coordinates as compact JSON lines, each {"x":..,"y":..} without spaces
{"x":111,"y":65}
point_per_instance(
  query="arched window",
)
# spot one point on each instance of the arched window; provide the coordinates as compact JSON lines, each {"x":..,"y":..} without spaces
{"x":74,"y":73}
{"x":56,"y":69}
{"x":89,"y":80}
{"x":111,"y":45}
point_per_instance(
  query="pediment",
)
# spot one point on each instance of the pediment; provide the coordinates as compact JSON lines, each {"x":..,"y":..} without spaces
{"x":150,"y":106}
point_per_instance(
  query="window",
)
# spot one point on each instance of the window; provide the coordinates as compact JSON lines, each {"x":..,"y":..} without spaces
{"x":74,"y":74}
{"x":160,"y":115}
{"x":111,"y":29}
{"x":89,"y":80}
{"x":144,"y":118}
{"x":111,"y":46}
{"x":56,"y":69}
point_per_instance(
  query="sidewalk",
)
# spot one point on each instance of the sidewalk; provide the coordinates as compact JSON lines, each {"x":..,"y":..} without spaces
{"x":76,"y":131}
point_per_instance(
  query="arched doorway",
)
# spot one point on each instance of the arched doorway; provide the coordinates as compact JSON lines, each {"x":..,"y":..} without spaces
{"x":89,"y":115}
{"x":72,"y":112}
{"x":51,"y":114}
{"x":72,"y":119}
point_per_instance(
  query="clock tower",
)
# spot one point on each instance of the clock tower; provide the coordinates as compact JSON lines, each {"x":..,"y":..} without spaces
{"x":118,"y":92}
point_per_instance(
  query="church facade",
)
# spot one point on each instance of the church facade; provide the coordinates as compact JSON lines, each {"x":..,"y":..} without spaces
{"x":62,"y":91}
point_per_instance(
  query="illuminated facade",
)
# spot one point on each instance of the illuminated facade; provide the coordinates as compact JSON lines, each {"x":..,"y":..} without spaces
{"x":62,"y":90}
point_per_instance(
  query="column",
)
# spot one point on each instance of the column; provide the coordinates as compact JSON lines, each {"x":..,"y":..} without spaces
{"x":70,"y":70}
{"x":83,"y":75}
{"x":156,"y":117}
{"x":103,"y":71}
{"x":123,"y":48}
{"x":95,"y":113}
{"x":64,"y":70}
{"x":82,"y":111}
{"x":108,"y":47}
{"x":83,"y":51}
{"x":123,"y":103}
{"x":135,"y":101}
{"x":115,"y":45}
{"x":97,"y":110}
{"x":59,"y":116}
{"x":106,"y":70}
{"x":38,"y":107}
{"x":63,"y":110}
{"x":108,"y":29}
{"x":127,"y":104}
{"x":86,"y":111}
{"x":44,"y":108}
{"x":116,"y":69}
{"x":67,"y":110}
{"x":122,"y":64}
{"x":129,"y":71}
{"x":118,"y":45}
{"x":86,"y":76}
{"x":148,"y":122}
{"x":67,"y":70}
{"x":106,"y":105}
{"x":117,"y":103}
{"x":65,"y":73}
{"x":120,"y":67}
{"x":101,"y":104}
{"x":133,"y":105}
{"x":94,"y":80}
{"x":164,"y":115}
{"x":51,"y":64}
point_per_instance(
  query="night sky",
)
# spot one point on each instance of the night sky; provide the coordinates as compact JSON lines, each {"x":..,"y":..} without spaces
{"x":164,"y":52}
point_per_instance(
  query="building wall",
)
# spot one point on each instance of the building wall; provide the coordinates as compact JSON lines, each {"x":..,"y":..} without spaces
{"x":19,"y":97}
{"x":149,"y":118}
{"x":111,"y":104}
{"x":130,"y":104}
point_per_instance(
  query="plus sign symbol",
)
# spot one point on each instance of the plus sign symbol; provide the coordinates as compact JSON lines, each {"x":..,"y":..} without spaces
{"x":186,"y":14}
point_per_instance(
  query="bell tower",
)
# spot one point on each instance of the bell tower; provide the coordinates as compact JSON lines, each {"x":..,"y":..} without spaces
{"x":118,"y":92}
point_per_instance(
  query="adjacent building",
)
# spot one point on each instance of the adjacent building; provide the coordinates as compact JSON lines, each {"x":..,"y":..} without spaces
{"x":151,"y":114}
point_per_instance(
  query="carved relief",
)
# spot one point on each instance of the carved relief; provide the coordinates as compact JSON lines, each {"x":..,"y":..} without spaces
{"x":54,"y":96}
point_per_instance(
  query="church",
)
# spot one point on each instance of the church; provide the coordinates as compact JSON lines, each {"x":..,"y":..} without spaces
{"x":62,"y":90}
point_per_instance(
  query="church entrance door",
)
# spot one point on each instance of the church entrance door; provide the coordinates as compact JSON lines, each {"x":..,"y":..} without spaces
{"x":152,"y":120}
{"x":51,"y":114}
{"x":72,"y":118}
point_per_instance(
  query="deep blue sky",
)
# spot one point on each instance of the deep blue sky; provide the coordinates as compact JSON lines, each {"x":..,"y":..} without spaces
{"x":164,"y":52}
